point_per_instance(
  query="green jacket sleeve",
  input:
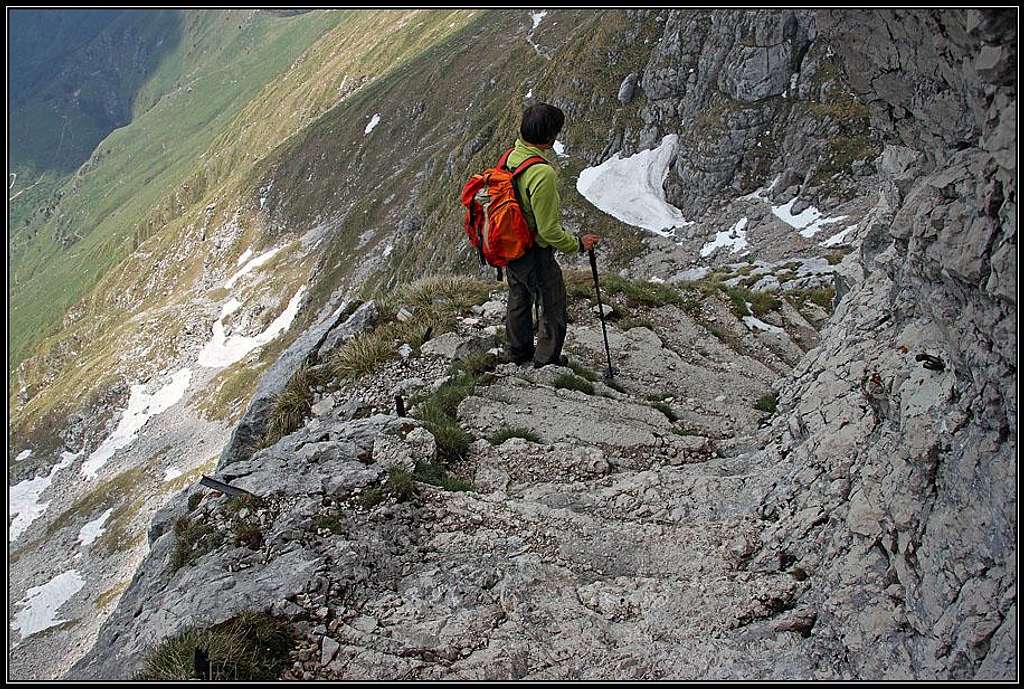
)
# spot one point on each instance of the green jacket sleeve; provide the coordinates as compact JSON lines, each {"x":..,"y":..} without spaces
{"x":547,"y":209}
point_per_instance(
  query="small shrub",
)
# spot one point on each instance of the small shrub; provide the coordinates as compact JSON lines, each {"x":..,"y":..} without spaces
{"x":684,"y":430}
{"x":398,"y":485}
{"x":249,"y":647}
{"x":822,"y":296}
{"x":331,"y":522}
{"x":293,"y":404}
{"x":436,"y":475}
{"x":476,"y":364}
{"x":768,"y":403}
{"x":615,"y":385}
{"x":763,"y":302}
{"x":362,"y":354}
{"x":504,"y":433}
{"x":248,"y":534}
{"x":738,"y":297}
{"x":570,"y":381}
{"x":641,"y":291}
{"x":584,"y":372}
{"x":193,"y":539}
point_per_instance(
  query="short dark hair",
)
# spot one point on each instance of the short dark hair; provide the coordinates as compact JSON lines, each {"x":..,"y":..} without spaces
{"x":541,"y":124}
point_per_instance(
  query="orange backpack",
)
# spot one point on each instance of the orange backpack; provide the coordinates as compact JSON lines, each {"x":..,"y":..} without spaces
{"x":495,"y":224}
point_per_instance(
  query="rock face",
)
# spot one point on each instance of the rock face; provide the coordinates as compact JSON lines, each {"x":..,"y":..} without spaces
{"x":903,"y":497}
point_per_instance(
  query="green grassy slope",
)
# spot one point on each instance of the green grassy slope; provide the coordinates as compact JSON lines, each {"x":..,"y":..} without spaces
{"x":65,"y":367}
{"x":221,"y":63}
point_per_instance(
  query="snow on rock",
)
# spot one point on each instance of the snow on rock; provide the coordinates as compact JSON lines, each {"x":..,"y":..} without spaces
{"x":172,"y":473}
{"x":631,"y":189}
{"x":92,"y":530}
{"x":23,"y":455}
{"x":736,"y":237}
{"x":39,"y":609}
{"x":809,"y":221}
{"x":559,"y":148}
{"x":222,"y":351}
{"x":374,"y":121}
{"x":23,"y":498}
{"x":244,"y":257}
{"x":838,"y":239}
{"x":141,"y":408}
{"x":250,"y":266}
{"x":537,"y":17}
{"x":755,"y":323}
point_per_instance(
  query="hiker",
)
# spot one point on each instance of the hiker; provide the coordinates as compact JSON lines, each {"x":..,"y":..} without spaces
{"x":535,"y":276}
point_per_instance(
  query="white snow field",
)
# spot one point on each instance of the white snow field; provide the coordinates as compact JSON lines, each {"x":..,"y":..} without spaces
{"x":735,"y":237}
{"x":92,"y":530}
{"x":141,"y":407}
{"x":630,"y":189}
{"x":250,"y":266}
{"x":39,"y":609}
{"x":809,"y":221}
{"x":24,"y":504}
{"x":222,"y":351}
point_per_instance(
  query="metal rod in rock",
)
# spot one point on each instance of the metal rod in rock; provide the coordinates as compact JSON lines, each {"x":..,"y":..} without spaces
{"x":610,"y":371}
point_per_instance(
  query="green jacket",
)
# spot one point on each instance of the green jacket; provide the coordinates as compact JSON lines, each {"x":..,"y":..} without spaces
{"x":538,"y":190}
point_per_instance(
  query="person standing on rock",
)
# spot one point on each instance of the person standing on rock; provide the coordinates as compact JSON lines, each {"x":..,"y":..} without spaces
{"x":536,"y":277}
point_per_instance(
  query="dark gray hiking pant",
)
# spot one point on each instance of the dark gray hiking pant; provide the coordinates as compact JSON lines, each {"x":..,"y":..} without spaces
{"x":536,"y":277}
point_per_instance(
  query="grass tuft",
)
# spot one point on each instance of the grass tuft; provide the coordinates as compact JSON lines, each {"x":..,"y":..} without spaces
{"x":506,"y":432}
{"x":568,"y":381}
{"x":436,"y":475}
{"x":398,"y":485}
{"x":249,"y":647}
{"x":768,"y":402}
{"x":193,"y":539}
{"x":293,"y":404}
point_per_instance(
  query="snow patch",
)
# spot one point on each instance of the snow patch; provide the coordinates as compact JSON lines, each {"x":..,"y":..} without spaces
{"x":559,"y":148}
{"x":222,"y":351}
{"x":92,"y":530}
{"x":631,"y":189}
{"x":141,"y":408}
{"x":171,"y":474}
{"x":736,"y":237}
{"x":244,"y":257}
{"x":374,"y":121}
{"x":23,"y":498}
{"x":537,"y":17}
{"x":757,"y":324}
{"x":39,"y":609}
{"x":838,"y":239}
{"x":251,"y":266}
{"x":809,"y":221}
{"x":529,"y":94}
{"x":23,"y":455}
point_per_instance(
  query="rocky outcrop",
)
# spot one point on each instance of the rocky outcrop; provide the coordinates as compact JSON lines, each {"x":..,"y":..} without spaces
{"x":332,"y":328}
{"x":901,"y":504}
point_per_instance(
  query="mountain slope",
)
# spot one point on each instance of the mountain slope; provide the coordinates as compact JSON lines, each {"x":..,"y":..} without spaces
{"x":860,"y":162}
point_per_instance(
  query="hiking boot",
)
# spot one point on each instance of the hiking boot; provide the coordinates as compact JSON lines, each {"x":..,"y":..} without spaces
{"x":507,"y":358}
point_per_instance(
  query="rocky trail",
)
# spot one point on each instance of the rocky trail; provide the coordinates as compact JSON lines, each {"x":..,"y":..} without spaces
{"x":608,"y":536}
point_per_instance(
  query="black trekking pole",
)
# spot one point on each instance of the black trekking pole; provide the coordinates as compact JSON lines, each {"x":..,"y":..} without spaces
{"x":610,"y":371}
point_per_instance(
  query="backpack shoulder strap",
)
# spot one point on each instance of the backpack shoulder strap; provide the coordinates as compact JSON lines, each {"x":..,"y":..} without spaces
{"x":504,"y":158}
{"x":529,"y":162}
